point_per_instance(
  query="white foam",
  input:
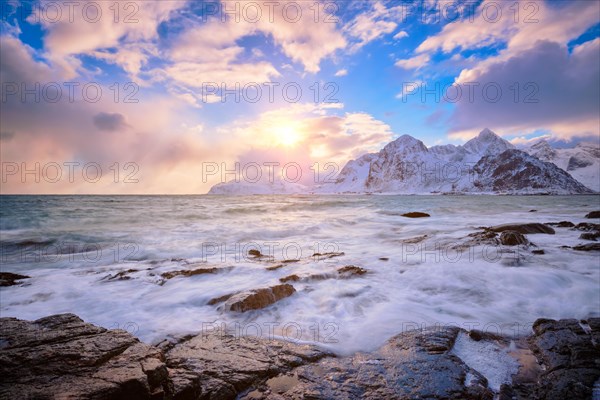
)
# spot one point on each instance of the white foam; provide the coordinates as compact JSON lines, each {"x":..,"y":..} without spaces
{"x":487,"y":358}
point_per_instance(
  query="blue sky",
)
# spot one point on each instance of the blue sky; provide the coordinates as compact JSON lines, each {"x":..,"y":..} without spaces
{"x":379,"y":67}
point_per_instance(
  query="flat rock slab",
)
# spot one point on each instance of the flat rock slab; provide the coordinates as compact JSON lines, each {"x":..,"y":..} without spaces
{"x":524,"y":228}
{"x":63,"y":357}
{"x":219,"y":366}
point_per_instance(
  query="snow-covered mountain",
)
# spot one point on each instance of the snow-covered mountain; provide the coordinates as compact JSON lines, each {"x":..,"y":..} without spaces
{"x":516,"y":172}
{"x":484,"y":164}
{"x":582,"y":162}
{"x":240,"y":187}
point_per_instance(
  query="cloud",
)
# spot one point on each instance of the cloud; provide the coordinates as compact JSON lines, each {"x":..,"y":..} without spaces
{"x":129,"y":28}
{"x":6,"y":136}
{"x":557,"y":91}
{"x":400,"y":35}
{"x":415,"y":62}
{"x":341,"y":72}
{"x":373,"y":24}
{"x":322,"y":135}
{"x":110,"y":121}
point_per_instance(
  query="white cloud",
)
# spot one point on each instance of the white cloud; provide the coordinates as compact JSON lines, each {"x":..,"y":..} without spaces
{"x":415,"y":62}
{"x":341,"y":72}
{"x":400,"y":35}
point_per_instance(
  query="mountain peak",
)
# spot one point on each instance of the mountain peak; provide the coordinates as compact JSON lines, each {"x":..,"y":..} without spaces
{"x":487,"y":135}
{"x":406,"y":141}
{"x":487,"y":142}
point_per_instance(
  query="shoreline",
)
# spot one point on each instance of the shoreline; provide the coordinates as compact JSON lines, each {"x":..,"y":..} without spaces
{"x":61,"y":355}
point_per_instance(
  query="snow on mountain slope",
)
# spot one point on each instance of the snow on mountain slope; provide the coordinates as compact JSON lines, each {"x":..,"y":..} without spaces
{"x":517,"y":172}
{"x":406,"y":165}
{"x":250,"y":188}
{"x":582,"y":162}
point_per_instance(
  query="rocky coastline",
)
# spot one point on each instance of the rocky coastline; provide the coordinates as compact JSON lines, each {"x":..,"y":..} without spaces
{"x":61,"y":356}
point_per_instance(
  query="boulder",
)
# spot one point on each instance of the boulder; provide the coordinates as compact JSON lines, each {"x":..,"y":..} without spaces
{"x":512,"y":238}
{"x":63,"y":357}
{"x":562,"y":224}
{"x":524,"y":228}
{"x":593,"y":214}
{"x":590,"y":235}
{"x":258,"y":298}
{"x":587,"y":247}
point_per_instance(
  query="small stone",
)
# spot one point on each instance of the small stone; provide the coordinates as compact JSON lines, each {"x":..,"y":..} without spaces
{"x":416,"y":214}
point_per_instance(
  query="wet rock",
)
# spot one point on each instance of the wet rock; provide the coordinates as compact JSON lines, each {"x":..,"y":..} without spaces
{"x":275,"y":267}
{"x":346,"y":272}
{"x":587,"y":227}
{"x":192,"y":272}
{"x":562,"y":224}
{"x":416,"y":214}
{"x":120,"y":276}
{"x":324,"y":256}
{"x":524,"y":228}
{"x":587,"y":247}
{"x":590,"y":236}
{"x":351,"y":270}
{"x":220,"y":366}
{"x":569,"y":352}
{"x":512,"y":238}
{"x":532,"y":210}
{"x":63,"y":357}
{"x":384,"y":259}
{"x":593,"y":214}
{"x":487,"y":237}
{"x":254,"y":253}
{"x":417,"y":239}
{"x":219,"y":299}
{"x":538,"y":252}
{"x":258,"y":298}
{"x":412,"y":365}
{"x":290,"y":261}
{"x":290,"y":278}
{"x":10,"y":279}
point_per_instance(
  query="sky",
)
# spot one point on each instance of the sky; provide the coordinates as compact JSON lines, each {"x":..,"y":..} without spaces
{"x":165,"y":97}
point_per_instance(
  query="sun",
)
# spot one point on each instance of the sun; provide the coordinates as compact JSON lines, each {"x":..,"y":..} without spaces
{"x":287,"y":135}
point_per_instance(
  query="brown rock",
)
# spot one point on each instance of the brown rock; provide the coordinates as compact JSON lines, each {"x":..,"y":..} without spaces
{"x":258,"y":298}
{"x":63,"y":357}
{"x":512,"y":238}
{"x":350,"y":271}
{"x":524,"y":228}
{"x":192,"y":272}
{"x":416,"y":214}
{"x":593,"y":214}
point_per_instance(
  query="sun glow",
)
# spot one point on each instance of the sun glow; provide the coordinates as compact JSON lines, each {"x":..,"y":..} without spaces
{"x":287,"y":135}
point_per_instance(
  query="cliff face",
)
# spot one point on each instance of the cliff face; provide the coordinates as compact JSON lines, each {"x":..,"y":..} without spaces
{"x":63,"y":357}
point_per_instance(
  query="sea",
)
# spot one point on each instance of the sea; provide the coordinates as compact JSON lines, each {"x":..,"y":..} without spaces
{"x":103,"y":258}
